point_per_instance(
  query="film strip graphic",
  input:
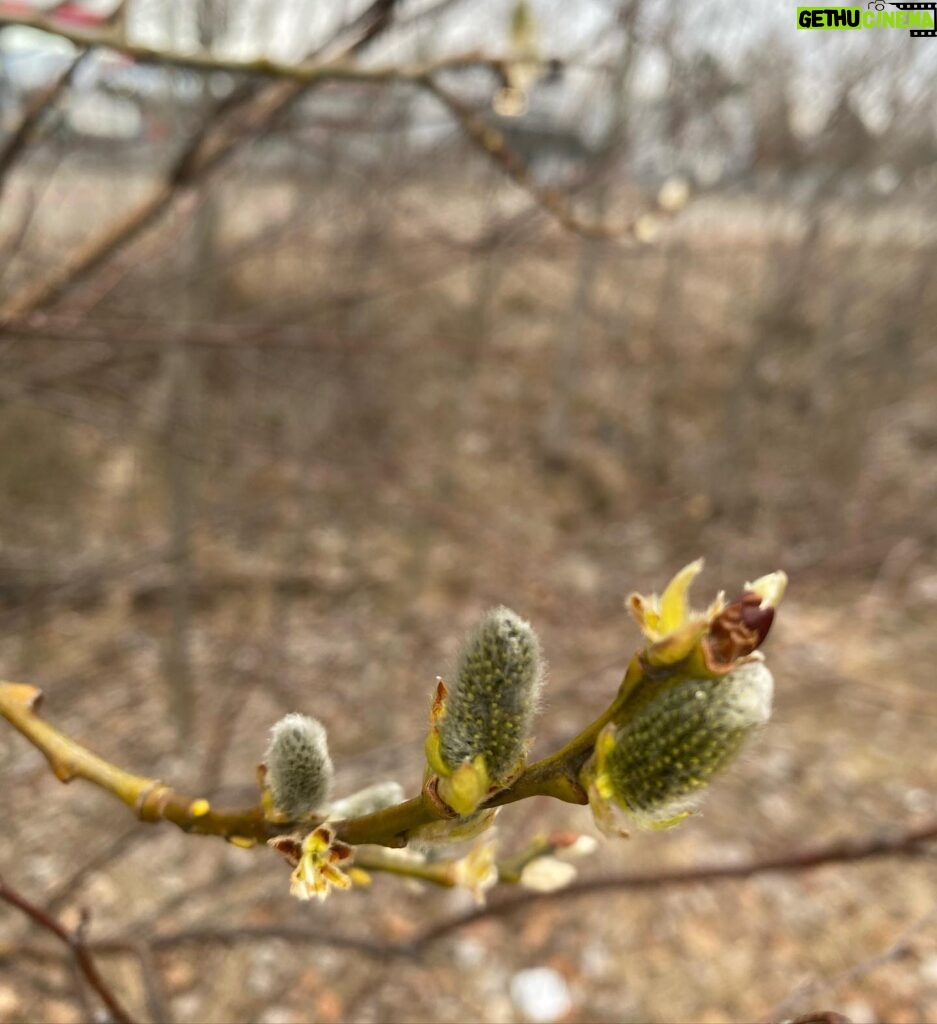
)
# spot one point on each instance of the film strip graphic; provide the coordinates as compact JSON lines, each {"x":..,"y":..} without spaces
{"x":932,"y":7}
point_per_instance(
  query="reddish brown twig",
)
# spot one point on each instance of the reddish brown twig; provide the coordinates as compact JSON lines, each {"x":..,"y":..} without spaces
{"x":76,"y":944}
{"x":821,"y":1017}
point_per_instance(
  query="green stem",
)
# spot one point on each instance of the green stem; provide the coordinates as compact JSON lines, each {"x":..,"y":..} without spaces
{"x":555,"y":776}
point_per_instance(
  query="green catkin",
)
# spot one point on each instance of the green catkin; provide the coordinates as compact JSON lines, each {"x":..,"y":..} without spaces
{"x":491,"y":706}
{"x":299,"y":769}
{"x":676,"y":743}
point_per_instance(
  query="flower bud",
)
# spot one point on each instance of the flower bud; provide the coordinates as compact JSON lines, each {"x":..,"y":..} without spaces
{"x":655,"y":764}
{"x":299,"y":769}
{"x":320,"y":862}
{"x":482,"y":726}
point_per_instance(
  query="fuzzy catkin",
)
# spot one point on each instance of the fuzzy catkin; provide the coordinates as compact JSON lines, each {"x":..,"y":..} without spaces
{"x":368,"y":800}
{"x":676,"y":743}
{"x":490,"y":708}
{"x":299,"y":769}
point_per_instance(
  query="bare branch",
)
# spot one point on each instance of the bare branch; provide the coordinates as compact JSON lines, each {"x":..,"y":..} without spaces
{"x":304,"y":73}
{"x":76,"y":944}
{"x":157,"y":1003}
{"x":315,"y":936}
{"x":821,"y":1017}
{"x":209,"y":147}
{"x":210,"y":935}
{"x":19,"y":137}
{"x":911,"y":842}
{"x":897,"y":949}
{"x":494,"y":145}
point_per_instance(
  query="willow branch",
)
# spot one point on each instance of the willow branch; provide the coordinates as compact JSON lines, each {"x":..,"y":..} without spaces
{"x":149,"y":798}
{"x":79,"y":951}
{"x":153,"y":801}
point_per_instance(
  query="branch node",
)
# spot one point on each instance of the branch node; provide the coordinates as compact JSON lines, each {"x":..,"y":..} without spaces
{"x":151,"y":803}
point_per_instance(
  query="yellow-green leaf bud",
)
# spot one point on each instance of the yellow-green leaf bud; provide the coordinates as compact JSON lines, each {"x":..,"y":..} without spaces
{"x":655,"y":764}
{"x":299,"y":770}
{"x":490,"y":710}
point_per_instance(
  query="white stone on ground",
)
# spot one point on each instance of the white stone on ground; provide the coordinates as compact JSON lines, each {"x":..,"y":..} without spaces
{"x":541,"y":995}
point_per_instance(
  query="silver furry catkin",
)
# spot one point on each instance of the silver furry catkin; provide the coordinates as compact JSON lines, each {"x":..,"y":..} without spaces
{"x":299,"y":769}
{"x":491,"y":707}
{"x":368,"y":800}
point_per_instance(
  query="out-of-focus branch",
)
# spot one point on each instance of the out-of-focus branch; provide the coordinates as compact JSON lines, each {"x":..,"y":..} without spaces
{"x":446,"y":872}
{"x":494,"y":145}
{"x":821,"y":1017}
{"x":206,"y":150}
{"x":306,"y":73}
{"x":209,"y":146}
{"x":202,"y":153}
{"x":125,"y":335}
{"x":911,"y":842}
{"x":210,"y":935}
{"x":76,"y":944}
{"x":897,"y":949}
{"x":157,"y":1003}
{"x":19,"y":136}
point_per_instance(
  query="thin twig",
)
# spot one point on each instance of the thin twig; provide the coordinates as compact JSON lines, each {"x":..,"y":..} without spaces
{"x":19,"y":137}
{"x":157,"y":1003}
{"x":896,"y":950}
{"x":313,"y":936}
{"x":208,"y":147}
{"x":211,"y":935}
{"x":821,"y":1017}
{"x":76,"y":944}
{"x":494,"y":145}
{"x":911,"y":842}
{"x":116,"y":845}
{"x":306,"y":72}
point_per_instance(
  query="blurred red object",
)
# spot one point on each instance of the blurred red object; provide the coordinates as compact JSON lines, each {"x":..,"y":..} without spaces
{"x":68,"y":14}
